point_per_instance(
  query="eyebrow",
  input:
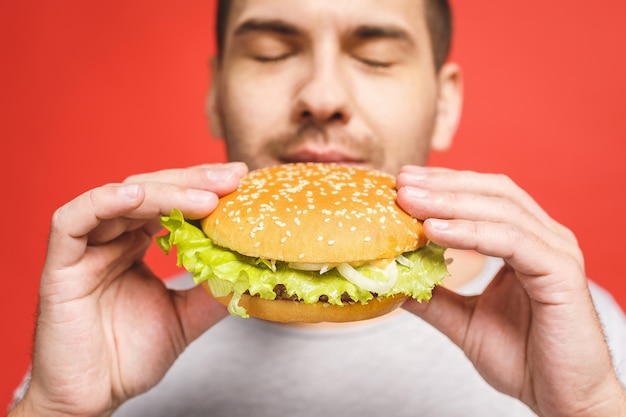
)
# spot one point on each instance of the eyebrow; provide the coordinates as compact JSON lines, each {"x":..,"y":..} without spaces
{"x":382,"y":31}
{"x":276,"y":26}
{"x":363,"y":32}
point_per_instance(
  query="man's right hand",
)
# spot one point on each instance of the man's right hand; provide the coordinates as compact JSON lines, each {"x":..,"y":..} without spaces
{"x":108,"y":328}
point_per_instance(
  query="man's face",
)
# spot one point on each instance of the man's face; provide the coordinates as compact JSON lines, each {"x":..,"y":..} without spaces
{"x":326,"y":80}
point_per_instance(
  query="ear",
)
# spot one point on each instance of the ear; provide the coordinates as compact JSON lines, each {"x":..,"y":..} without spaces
{"x":212,"y":101}
{"x":449,"y":104}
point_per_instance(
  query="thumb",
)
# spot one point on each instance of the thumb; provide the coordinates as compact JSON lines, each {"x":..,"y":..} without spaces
{"x":198,"y":311}
{"x":447,"y":311}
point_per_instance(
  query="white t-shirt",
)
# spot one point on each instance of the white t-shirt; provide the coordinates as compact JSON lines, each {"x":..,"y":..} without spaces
{"x":399,"y":366}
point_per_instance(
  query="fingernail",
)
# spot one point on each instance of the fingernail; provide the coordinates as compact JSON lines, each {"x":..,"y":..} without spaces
{"x":416,"y":176}
{"x":438,"y":224}
{"x":416,"y":192}
{"x":236,"y":166}
{"x":220,"y":175}
{"x":200,"y":196}
{"x":129,"y":191}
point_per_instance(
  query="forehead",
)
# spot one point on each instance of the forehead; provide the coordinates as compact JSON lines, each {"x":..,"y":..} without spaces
{"x":319,"y":16}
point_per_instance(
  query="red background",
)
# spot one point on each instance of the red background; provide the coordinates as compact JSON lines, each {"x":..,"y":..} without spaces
{"x":94,"y":91}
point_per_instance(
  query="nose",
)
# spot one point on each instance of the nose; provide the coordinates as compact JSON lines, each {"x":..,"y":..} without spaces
{"x":323,"y":97}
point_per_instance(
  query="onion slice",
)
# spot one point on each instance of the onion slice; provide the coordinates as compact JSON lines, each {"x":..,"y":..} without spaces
{"x":403,"y":260}
{"x":379,"y":287}
{"x":304,"y":266}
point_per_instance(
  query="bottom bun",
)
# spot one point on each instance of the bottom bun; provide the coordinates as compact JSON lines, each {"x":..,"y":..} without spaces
{"x":286,"y":311}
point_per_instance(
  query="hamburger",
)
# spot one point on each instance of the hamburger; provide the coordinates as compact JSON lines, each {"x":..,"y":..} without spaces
{"x":309,"y":242}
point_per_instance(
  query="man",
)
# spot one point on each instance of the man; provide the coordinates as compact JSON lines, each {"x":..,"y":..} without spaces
{"x":352,"y":82}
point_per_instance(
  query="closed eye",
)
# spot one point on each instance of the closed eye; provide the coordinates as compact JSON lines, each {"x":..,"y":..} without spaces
{"x":379,"y":46}
{"x":268,"y":41}
{"x":273,"y":58}
{"x":373,"y":63}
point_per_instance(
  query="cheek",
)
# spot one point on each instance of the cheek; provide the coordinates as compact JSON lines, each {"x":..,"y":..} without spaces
{"x":400,"y":113}
{"x":253,"y":108}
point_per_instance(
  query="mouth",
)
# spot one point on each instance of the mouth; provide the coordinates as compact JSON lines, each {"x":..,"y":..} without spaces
{"x":321,"y":154}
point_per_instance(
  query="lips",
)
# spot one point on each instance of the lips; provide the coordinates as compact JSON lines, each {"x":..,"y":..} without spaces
{"x":321,"y":154}
{"x":331,"y":144}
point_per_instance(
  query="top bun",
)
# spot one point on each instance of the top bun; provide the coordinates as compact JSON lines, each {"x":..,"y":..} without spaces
{"x":314,"y":213}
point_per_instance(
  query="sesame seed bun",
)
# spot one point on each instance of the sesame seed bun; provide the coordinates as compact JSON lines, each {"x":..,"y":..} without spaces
{"x":319,"y":214}
{"x":315,"y":213}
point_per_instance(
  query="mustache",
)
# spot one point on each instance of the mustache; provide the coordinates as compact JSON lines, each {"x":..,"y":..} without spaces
{"x":358,"y":146}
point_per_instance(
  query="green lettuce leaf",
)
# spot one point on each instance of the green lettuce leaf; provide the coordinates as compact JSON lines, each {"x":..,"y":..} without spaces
{"x":226,"y":271}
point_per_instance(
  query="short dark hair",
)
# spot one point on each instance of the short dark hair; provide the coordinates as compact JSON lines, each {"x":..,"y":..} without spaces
{"x":438,"y":20}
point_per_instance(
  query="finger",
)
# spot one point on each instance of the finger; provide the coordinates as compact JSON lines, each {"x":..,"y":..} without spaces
{"x":502,"y":312}
{"x":198,"y":311}
{"x":218,"y":178}
{"x":503,"y":306}
{"x":79,"y":274}
{"x":72,"y":222}
{"x":110,"y":229}
{"x":447,"y":311}
{"x":529,"y":254}
{"x":161,"y":198}
{"x":464,"y":181}
{"x":493,"y":185}
{"x":104,"y":213}
{"x":425,"y":204}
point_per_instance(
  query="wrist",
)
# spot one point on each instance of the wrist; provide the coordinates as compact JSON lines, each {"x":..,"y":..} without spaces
{"x":614,"y":405}
{"x":26,"y":407}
